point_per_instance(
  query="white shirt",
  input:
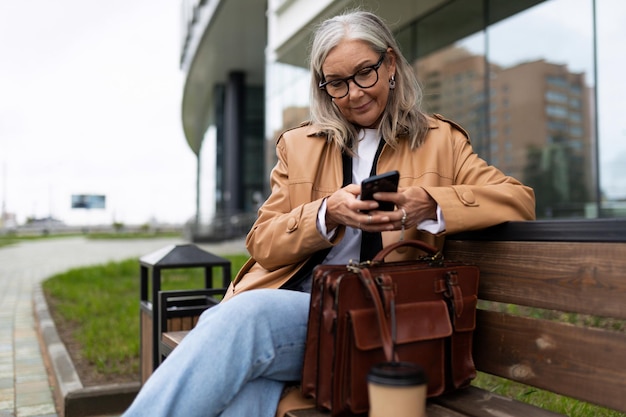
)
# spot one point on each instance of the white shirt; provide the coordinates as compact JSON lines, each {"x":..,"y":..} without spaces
{"x":350,"y":246}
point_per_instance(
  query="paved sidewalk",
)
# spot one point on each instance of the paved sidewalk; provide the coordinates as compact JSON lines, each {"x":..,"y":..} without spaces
{"x":25,"y":390}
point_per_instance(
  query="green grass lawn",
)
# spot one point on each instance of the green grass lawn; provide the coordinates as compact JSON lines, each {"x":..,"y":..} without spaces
{"x":100,"y":305}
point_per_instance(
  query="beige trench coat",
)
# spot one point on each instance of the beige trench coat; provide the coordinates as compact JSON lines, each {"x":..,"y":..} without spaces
{"x":471,"y":194}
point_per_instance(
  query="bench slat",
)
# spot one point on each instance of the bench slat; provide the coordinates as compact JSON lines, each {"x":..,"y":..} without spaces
{"x":173,"y":339}
{"x":477,"y":402}
{"x":577,"y":277}
{"x":584,"y":363}
{"x":432,"y":410}
{"x":469,"y":402}
{"x":436,"y":410}
{"x":181,"y":323}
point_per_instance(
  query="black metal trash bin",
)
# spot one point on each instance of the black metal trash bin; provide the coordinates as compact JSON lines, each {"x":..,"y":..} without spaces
{"x":151,"y":265}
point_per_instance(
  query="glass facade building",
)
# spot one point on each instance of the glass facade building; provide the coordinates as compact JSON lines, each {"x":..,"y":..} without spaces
{"x":537,"y":84}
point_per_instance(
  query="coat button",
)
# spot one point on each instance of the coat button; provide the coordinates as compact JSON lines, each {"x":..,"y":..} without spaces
{"x":291,"y":224}
{"x":468,"y":197}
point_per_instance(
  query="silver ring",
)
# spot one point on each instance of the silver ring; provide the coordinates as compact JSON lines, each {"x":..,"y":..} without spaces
{"x":402,"y":224}
{"x":369,"y":219}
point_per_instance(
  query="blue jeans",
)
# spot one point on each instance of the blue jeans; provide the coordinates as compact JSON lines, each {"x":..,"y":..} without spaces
{"x":235,"y":362}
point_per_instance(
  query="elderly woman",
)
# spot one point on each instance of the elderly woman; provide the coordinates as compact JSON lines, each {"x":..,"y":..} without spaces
{"x":365,"y":120}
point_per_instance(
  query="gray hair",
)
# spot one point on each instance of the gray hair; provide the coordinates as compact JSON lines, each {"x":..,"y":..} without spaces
{"x":402,"y":115}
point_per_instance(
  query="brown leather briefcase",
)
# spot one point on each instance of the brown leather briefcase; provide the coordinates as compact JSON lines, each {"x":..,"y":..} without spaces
{"x":420,"y":311}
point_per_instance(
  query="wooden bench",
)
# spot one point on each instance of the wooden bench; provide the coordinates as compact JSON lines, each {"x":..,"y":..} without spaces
{"x":539,"y":281}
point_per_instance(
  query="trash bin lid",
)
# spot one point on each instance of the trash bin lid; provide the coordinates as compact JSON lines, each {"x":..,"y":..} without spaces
{"x":185,"y":255}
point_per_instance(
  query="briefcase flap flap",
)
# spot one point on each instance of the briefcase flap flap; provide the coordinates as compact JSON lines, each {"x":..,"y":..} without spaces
{"x":415,"y":322}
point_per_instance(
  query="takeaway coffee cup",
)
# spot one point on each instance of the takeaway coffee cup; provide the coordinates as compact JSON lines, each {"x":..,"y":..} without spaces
{"x":397,"y":389}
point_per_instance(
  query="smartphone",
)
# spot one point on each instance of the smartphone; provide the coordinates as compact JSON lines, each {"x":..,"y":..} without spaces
{"x":387,"y":182}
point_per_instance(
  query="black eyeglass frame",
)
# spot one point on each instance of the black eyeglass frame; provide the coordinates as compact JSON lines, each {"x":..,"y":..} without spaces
{"x":322,"y":84}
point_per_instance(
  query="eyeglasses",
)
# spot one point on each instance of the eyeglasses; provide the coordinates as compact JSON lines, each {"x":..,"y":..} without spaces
{"x":364,"y":78}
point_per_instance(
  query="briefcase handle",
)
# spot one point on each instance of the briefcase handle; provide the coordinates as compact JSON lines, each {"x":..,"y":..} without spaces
{"x":380,"y":256}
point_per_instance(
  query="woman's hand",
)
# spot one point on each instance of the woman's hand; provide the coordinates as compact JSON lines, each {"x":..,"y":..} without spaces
{"x":413,"y":204}
{"x":344,"y":208}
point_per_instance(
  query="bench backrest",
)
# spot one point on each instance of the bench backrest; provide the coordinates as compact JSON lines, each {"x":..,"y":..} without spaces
{"x":576,"y":268}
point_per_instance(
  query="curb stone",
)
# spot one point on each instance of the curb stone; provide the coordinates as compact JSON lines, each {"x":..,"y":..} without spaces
{"x":71,"y":397}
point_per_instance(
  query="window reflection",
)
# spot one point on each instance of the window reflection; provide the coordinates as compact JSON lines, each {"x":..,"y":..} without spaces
{"x":523,"y":89}
{"x":547,"y":60}
{"x":611,"y":38}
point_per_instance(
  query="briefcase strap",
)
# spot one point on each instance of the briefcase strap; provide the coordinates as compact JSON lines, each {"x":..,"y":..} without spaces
{"x":383,"y":296}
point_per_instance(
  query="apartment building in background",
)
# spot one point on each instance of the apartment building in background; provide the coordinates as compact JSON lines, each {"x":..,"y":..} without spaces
{"x":532,"y":120}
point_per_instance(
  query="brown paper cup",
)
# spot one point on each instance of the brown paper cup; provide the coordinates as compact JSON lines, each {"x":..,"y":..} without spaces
{"x":397,"y":389}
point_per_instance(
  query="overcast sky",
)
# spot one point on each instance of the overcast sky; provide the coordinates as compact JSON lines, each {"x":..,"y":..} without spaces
{"x":90,"y":104}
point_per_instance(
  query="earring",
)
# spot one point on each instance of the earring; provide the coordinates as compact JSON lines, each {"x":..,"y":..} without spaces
{"x":392,"y":82}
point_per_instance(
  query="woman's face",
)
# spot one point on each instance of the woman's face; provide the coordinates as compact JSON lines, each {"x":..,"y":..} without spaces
{"x":361,"y":106}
